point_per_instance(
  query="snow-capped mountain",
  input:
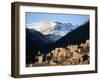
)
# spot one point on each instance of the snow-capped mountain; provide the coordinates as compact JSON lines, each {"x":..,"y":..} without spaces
{"x":63,"y":28}
{"x":54,"y":30}
{"x":45,"y":27}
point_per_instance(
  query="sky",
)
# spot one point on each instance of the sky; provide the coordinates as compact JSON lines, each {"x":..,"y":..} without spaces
{"x":75,"y":19}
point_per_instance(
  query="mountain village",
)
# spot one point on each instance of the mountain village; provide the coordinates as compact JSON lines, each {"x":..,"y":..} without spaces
{"x":69,"y":55}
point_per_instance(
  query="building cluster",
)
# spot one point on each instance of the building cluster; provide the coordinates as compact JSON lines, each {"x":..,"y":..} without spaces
{"x":69,"y":55}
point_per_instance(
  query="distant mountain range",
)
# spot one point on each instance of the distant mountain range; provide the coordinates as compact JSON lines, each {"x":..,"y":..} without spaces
{"x":54,"y":30}
{"x":38,"y":41}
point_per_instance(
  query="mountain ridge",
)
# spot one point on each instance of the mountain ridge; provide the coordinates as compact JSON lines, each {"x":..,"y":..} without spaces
{"x":77,"y":36}
{"x":52,"y":28}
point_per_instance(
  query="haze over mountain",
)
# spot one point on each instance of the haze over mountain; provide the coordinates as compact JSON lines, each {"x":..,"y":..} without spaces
{"x":54,"y":30}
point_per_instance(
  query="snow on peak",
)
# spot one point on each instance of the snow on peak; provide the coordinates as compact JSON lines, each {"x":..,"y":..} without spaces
{"x":47,"y":27}
{"x":44,"y":26}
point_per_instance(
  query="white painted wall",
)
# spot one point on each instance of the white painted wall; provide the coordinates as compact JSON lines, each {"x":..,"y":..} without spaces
{"x":5,"y":40}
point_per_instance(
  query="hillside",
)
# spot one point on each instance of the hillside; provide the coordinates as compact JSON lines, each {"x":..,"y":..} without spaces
{"x":77,"y":36}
